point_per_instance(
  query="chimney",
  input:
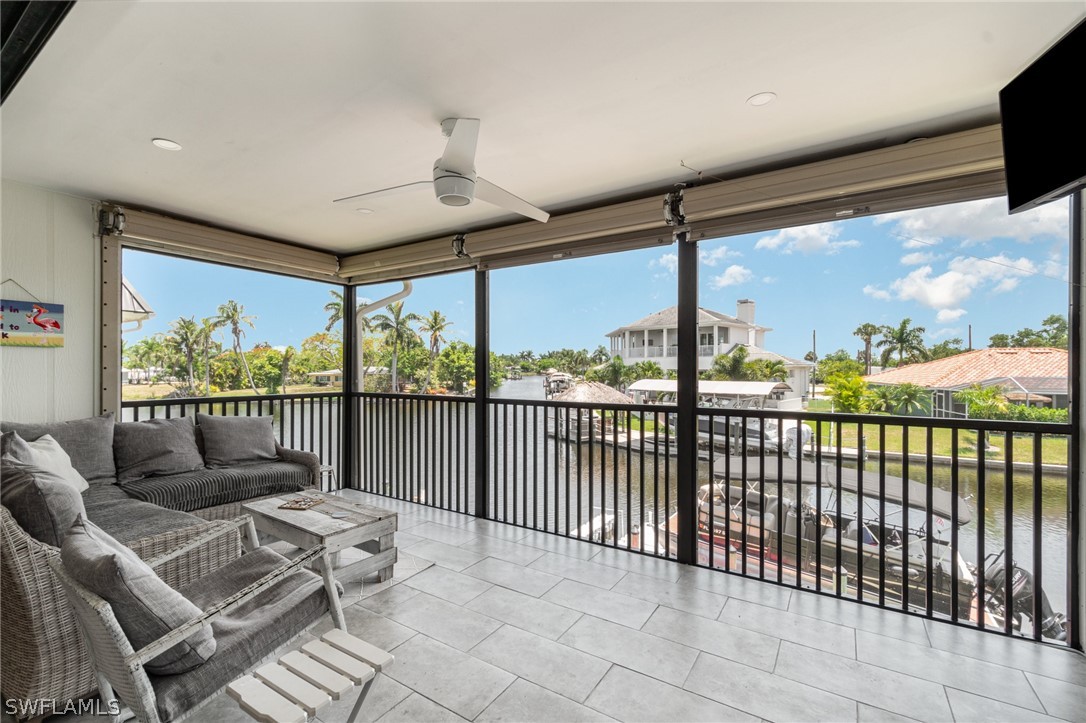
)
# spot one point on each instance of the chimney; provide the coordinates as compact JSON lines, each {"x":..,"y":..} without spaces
{"x":744,"y":310}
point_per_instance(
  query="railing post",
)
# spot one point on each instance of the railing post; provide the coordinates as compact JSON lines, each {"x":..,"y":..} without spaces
{"x":348,"y":410}
{"x":482,"y":392}
{"x":686,"y":417}
{"x":1076,"y":546}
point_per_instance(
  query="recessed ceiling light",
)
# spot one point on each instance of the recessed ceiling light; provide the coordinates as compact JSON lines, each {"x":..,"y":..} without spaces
{"x":364,"y":211}
{"x":761,"y":98}
{"x":166,"y":144}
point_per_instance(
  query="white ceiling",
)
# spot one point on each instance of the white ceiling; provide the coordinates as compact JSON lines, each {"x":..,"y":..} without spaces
{"x":283,"y":106}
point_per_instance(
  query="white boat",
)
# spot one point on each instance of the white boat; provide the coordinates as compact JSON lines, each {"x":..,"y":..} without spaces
{"x":599,"y":528}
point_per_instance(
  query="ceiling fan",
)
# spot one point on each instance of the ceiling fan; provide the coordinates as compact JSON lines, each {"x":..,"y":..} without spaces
{"x":455,"y":181}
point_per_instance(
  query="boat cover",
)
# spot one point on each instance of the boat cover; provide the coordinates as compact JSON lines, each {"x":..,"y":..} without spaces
{"x":808,"y":472}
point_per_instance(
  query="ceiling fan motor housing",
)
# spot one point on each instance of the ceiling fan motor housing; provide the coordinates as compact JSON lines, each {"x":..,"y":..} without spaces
{"x":452,"y":188}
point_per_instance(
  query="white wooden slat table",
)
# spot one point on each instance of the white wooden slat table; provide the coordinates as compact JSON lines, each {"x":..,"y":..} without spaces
{"x":368,"y":528}
{"x":302,"y":683}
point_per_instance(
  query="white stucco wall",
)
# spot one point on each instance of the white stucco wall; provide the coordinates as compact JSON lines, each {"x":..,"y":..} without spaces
{"x":47,"y":244}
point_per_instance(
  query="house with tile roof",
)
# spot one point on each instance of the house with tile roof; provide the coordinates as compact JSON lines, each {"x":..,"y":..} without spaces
{"x":655,"y":338}
{"x":1036,"y":376}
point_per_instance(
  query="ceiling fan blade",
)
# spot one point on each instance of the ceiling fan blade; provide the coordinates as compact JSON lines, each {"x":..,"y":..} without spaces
{"x":487,"y":191}
{"x":459,"y":153}
{"x":393,"y":190}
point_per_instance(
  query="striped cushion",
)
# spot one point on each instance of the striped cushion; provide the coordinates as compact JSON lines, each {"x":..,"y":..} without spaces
{"x":202,"y":488}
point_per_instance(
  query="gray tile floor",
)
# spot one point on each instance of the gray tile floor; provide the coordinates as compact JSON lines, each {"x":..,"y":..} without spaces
{"x":490,"y":622}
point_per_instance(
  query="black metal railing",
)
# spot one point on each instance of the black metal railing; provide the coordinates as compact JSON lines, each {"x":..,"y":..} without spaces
{"x":901,"y":512}
{"x":910,"y":513}
{"x":309,"y":422}
{"x":598,"y":472}
{"x":964,"y":520}
{"x":418,"y":448}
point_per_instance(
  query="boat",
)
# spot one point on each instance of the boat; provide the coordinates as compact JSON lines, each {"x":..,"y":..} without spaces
{"x":756,"y":434}
{"x":556,"y":382}
{"x":828,"y":526}
{"x":738,"y":433}
{"x":600,"y":527}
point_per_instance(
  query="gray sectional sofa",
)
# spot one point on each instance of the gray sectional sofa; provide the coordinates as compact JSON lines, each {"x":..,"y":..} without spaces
{"x":152,"y":485}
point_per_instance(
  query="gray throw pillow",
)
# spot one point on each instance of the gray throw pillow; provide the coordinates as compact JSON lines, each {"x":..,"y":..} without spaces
{"x":89,"y":442}
{"x":44,"y":452}
{"x":237,"y":440}
{"x":146,"y":607}
{"x":155,"y":447}
{"x":43,"y":505}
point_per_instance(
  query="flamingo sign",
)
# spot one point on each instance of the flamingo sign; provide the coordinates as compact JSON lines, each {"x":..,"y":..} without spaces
{"x":31,"y":323}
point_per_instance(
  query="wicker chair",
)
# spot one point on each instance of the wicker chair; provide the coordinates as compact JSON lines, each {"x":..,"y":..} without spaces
{"x":120,"y":669}
{"x":42,"y":656}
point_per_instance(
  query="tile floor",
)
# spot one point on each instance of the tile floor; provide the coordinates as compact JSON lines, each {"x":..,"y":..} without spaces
{"x":490,"y":622}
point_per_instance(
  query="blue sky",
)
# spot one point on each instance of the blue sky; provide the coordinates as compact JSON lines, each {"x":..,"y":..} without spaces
{"x":946,"y":268}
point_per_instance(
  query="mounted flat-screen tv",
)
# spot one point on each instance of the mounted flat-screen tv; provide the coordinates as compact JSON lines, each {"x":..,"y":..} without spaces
{"x":1044,"y":129}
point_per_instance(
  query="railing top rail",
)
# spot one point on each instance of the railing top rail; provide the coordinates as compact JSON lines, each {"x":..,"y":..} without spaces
{"x":178,"y":401}
{"x":661,"y":408}
{"x":995,"y":425}
{"x":428,"y":397}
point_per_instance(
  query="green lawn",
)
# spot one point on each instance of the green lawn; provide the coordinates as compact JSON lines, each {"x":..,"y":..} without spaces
{"x":1053,"y":448}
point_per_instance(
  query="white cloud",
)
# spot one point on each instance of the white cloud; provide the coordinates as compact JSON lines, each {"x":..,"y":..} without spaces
{"x":877,"y":293}
{"x":1055,"y":266}
{"x":710,"y":257}
{"x":733,"y":275}
{"x":947,"y":291}
{"x":976,"y":222}
{"x":813,"y":239}
{"x":947,"y":316}
{"x":993,"y":268}
{"x":769,"y":279}
{"x":669,"y":262}
{"x":917,"y":258}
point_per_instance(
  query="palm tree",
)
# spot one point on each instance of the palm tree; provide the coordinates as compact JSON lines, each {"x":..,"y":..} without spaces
{"x":580,"y":361}
{"x":883,"y":398}
{"x":647,"y":370}
{"x":771,"y":370}
{"x":600,"y":356}
{"x":142,"y":355}
{"x":982,"y":402}
{"x":434,"y":325}
{"x":904,"y":340}
{"x":208,"y":327}
{"x":186,"y":339}
{"x":397,"y":329}
{"x":910,"y":397}
{"x":867,"y":333}
{"x":334,"y":309}
{"x":614,"y":373}
{"x":284,"y":368}
{"x":157,"y":354}
{"x":731,"y":366}
{"x":365,"y":326}
{"x":232,"y":314}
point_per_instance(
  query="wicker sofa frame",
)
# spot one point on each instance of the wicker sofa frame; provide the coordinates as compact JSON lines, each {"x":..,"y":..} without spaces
{"x":118,"y":667}
{"x":44,"y":655}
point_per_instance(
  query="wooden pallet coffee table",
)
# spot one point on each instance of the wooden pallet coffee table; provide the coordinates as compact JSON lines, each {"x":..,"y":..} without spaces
{"x":338,"y":524}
